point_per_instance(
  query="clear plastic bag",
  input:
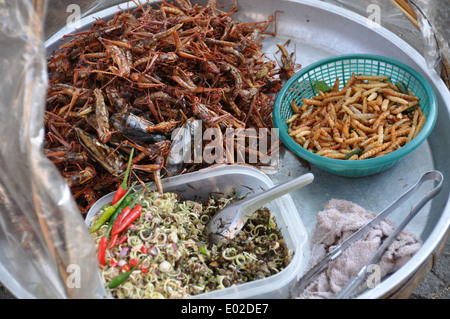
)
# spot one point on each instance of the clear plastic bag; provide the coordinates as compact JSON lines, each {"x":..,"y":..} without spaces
{"x":45,"y":248}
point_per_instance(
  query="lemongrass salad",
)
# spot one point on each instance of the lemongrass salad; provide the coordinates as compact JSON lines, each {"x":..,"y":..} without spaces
{"x":166,"y":254}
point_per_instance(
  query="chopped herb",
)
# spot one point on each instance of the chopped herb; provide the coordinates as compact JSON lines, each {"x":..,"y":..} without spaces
{"x":321,"y":86}
{"x":402,"y":87}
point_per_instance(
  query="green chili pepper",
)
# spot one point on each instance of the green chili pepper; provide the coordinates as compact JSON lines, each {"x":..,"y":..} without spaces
{"x":357,"y":151}
{"x":108,"y":213}
{"x":120,"y":279}
{"x":321,"y":86}
{"x":402,"y":87}
{"x":125,"y":203}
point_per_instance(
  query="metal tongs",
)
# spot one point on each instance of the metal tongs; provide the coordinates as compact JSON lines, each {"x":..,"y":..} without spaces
{"x":227,"y":223}
{"x":355,"y":282}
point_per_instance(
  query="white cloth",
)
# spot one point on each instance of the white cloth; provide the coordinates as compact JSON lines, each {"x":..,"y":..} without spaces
{"x":338,"y":221}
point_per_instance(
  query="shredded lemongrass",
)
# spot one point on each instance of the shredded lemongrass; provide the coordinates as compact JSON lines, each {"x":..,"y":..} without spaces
{"x":180,"y":261}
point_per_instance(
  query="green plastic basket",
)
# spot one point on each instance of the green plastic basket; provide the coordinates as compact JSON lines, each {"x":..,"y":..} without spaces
{"x":300,"y":86}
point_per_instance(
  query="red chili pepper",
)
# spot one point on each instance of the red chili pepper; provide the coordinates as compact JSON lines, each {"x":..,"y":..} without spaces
{"x":113,"y":262}
{"x":120,"y":219}
{"x":125,"y":212}
{"x":102,"y":250}
{"x":125,"y":268}
{"x":144,"y":270}
{"x":144,"y":250}
{"x":113,"y":241}
{"x":122,"y":240}
{"x":130,"y":218}
{"x":124,"y":186}
{"x":133,"y":262}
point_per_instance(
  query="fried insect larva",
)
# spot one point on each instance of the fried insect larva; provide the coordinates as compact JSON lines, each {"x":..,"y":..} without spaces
{"x":372,"y":96}
{"x":349,"y":111}
{"x":374,"y":105}
{"x":393,"y":135}
{"x":395,"y":145}
{"x":292,"y":118}
{"x":369,"y":141}
{"x":390,"y":92}
{"x":367,"y":113}
{"x":398,"y":142}
{"x":372,"y":85}
{"x":299,"y":129}
{"x":396,"y":99}
{"x":413,"y":127}
{"x":306,"y":144}
{"x":404,"y":131}
{"x":355,"y":97}
{"x":303,"y":133}
{"x":294,"y":107}
{"x":307,"y":113}
{"x":392,"y":86}
{"x":324,"y":135}
{"x":316,"y":134}
{"x":380,"y":134}
{"x":354,"y":140}
{"x":380,"y":119}
{"x":335,"y":87}
{"x":335,"y":94}
{"x":374,"y":151}
{"x":384,"y":105}
{"x":360,"y":132}
{"x":337,"y":136}
{"x":371,"y":91}
{"x":346,"y":128}
{"x":404,"y":107}
{"x":313,"y":102}
{"x":324,"y":152}
{"x":421,"y":124}
{"x":373,"y":77}
{"x":317,"y":145}
{"x":361,"y":126}
{"x":335,"y":155}
{"x":401,"y":122}
{"x":350,"y":82}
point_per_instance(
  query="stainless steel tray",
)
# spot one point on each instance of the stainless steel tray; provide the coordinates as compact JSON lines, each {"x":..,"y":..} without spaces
{"x":318,"y":30}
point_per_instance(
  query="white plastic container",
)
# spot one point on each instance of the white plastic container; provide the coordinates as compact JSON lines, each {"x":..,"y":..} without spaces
{"x":223,"y":180}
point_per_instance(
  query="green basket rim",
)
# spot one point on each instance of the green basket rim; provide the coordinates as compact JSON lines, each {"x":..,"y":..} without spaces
{"x":366,"y":163}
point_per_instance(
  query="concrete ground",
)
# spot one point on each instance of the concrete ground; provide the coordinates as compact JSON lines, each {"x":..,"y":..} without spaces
{"x":436,"y":284}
